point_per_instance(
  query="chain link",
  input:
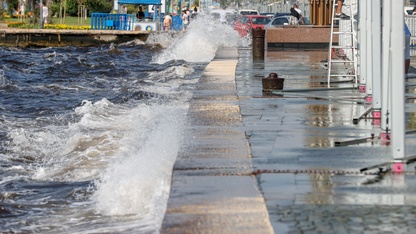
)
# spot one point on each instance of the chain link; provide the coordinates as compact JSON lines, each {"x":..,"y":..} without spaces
{"x":332,"y":172}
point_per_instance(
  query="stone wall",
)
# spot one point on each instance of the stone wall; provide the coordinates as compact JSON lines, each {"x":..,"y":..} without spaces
{"x":299,"y":36}
{"x":54,"y":38}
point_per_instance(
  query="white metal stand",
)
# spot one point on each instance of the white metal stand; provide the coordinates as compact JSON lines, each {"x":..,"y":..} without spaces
{"x":345,"y":53}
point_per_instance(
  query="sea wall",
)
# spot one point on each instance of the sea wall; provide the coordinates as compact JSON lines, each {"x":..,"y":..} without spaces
{"x":55,"y":38}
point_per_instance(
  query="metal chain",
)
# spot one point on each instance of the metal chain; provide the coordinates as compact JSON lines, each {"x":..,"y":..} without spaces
{"x":331,"y":172}
{"x":380,"y":171}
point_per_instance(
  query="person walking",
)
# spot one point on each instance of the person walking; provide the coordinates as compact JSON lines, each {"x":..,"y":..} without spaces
{"x":45,"y":14}
{"x":195,"y":13}
{"x":223,"y":15}
{"x":185,"y":20}
{"x":296,"y":16}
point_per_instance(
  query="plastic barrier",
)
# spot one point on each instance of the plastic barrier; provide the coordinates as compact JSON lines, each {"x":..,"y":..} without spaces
{"x":177,"y":23}
{"x":106,"y":21}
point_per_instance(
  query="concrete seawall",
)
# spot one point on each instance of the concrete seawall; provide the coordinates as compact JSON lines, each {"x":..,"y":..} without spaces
{"x":213,"y":189}
{"x":57,"y":38}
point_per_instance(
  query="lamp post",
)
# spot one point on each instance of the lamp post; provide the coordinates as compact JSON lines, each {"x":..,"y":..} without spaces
{"x":41,"y":13}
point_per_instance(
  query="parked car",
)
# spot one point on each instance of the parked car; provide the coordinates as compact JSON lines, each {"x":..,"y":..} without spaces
{"x":245,"y":23}
{"x":281,"y":14}
{"x":283,"y":20}
{"x":248,"y":12}
{"x":270,"y":14}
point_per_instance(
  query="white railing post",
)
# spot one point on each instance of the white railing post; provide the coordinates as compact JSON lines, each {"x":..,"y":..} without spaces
{"x":386,"y":60}
{"x":368,"y":51}
{"x":363,"y":41}
{"x":376,"y":54}
{"x":397,"y":82}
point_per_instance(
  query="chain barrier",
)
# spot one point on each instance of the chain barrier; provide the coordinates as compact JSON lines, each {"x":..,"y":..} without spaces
{"x":374,"y":171}
{"x":326,"y":172}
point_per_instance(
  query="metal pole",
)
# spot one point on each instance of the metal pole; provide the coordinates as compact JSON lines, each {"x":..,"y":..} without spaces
{"x":363,"y":42}
{"x":376,"y":53}
{"x":41,"y":14}
{"x":159,"y":23}
{"x":397,"y":83}
{"x":386,"y":57}
{"x":369,"y":78}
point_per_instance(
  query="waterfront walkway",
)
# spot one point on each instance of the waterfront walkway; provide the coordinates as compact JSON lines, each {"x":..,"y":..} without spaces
{"x":255,"y":162}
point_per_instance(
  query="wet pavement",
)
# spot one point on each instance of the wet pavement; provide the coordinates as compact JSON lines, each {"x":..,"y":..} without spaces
{"x":254,"y":159}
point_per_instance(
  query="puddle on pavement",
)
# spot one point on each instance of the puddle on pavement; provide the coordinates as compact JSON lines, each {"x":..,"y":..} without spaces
{"x":324,"y":188}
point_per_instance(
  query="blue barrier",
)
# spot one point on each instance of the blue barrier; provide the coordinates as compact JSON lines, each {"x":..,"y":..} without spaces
{"x":177,"y":23}
{"x":106,"y":21}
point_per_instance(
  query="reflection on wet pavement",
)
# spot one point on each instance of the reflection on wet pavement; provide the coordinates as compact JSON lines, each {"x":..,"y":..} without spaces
{"x":298,"y":131}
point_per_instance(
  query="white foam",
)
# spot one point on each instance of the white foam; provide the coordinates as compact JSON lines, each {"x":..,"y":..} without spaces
{"x":138,"y":181}
{"x":199,"y":43}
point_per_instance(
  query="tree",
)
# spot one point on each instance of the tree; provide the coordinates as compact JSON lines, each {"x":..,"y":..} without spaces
{"x":104,"y":6}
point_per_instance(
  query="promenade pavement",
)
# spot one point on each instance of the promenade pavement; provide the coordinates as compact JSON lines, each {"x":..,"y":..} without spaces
{"x":268,"y":162}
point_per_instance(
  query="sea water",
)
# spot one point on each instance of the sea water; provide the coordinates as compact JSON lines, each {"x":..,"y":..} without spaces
{"x":89,"y":135}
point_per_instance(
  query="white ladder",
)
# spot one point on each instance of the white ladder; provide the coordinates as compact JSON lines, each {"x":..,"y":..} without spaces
{"x":345,"y":53}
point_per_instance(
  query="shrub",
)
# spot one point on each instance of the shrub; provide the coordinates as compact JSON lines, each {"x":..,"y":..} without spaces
{"x":15,"y":24}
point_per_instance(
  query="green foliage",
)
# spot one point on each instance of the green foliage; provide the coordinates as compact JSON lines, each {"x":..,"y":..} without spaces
{"x":132,"y":9}
{"x":69,"y":21}
{"x":12,"y":5}
{"x":102,"y":6}
{"x":2,"y":13}
{"x":54,"y":9}
{"x":72,"y":7}
{"x":16,"y":24}
{"x":224,"y":3}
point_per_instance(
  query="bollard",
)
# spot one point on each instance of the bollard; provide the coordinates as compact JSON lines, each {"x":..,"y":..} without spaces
{"x":272,"y":82}
{"x":258,"y":35}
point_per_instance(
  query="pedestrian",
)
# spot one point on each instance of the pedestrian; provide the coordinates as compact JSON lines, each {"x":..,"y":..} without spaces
{"x":188,"y":12}
{"x":406,"y":50}
{"x":167,"y":22}
{"x":195,"y":13}
{"x":45,"y":14}
{"x":140,"y":13}
{"x":223,"y":15}
{"x":185,"y":20}
{"x":296,"y":16}
{"x":22,"y":9}
{"x":339,"y":14}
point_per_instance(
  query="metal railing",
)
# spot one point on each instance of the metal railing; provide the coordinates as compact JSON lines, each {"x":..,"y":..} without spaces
{"x":282,"y":7}
{"x":411,"y":24}
{"x":106,"y":21}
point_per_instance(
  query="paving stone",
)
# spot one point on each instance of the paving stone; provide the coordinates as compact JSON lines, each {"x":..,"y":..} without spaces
{"x":308,"y":184}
